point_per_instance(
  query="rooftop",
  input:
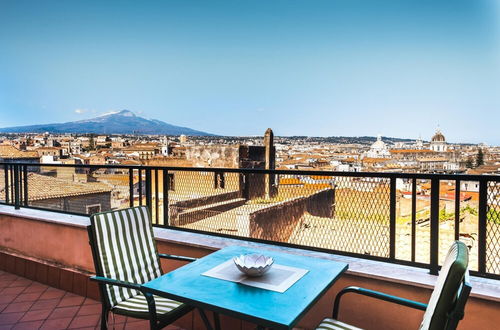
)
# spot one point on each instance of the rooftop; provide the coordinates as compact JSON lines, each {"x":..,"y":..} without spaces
{"x":47,"y":187}
{"x":27,"y":304}
{"x":12,"y":152}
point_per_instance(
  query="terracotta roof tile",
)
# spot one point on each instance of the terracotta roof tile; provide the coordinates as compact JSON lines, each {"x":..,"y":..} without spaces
{"x":46,"y":187}
{"x":13,"y":152}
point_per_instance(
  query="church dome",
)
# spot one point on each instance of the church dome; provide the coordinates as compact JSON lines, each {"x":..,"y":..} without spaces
{"x":379,"y":144}
{"x":438,"y":137}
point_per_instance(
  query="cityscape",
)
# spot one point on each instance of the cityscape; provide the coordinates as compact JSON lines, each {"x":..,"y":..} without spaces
{"x":218,"y":201}
{"x":433,"y":154}
{"x":237,"y":165}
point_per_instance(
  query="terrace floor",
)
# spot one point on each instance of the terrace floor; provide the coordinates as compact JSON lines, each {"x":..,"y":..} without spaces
{"x":26,"y":304}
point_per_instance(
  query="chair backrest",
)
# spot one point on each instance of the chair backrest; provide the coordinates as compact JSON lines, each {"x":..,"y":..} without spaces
{"x":452,"y":289}
{"x":124,"y":249}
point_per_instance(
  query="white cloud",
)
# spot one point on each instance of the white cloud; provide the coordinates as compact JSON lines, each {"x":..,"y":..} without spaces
{"x":80,"y":111}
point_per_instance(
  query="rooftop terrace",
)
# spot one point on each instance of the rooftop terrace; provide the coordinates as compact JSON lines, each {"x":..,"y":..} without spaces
{"x":392,"y":243}
{"x":27,"y":304}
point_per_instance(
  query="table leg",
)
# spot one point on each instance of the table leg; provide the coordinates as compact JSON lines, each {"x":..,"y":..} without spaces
{"x":205,"y":319}
{"x":216,"y":321}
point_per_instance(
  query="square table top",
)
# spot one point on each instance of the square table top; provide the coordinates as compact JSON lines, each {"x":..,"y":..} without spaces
{"x":264,"y":307}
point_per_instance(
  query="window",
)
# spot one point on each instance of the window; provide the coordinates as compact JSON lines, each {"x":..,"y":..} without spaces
{"x":95,"y":208}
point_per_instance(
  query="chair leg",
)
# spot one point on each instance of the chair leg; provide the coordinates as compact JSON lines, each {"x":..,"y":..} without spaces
{"x":104,"y":318}
{"x":153,"y":324}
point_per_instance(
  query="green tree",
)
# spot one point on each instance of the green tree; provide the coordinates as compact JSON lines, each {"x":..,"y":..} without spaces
{"x":91,"y":142}
{"x":469,"y":163}
{"x":479,"y":157}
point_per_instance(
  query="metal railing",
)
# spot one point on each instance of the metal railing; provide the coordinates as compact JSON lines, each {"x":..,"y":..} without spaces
{"x":401,"y":218}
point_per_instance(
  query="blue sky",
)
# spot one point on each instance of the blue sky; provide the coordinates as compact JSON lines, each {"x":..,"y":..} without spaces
{"x":318,"y":68}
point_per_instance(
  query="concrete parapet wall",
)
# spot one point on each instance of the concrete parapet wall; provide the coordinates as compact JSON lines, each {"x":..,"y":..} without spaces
{"x":183,"y":212}
{"x":59,"y":255}
{"x":278,"y":221}
{"x":203,"y":212}
{"x":205,"y":200}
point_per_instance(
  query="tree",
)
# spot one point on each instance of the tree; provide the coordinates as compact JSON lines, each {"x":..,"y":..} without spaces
{"x":479,"y":157}
{"x":469,"y":163}
{"x":91,"y":142}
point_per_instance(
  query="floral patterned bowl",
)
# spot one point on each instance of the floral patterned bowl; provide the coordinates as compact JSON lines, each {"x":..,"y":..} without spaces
{"x":253,"y":264}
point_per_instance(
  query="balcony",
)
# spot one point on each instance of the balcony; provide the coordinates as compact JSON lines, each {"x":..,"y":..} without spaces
{"x":392,"y":228}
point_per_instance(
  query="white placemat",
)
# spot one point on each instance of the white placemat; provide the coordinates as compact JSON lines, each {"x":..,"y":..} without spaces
{"x":279,"y":278}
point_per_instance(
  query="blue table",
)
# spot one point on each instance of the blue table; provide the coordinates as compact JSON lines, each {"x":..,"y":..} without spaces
{"x":263,"y":307}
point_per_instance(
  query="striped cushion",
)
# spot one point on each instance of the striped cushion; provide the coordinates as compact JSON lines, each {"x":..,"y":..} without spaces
{"x":126,"y":250}
{"x":331,"y":324}
{"x":138,"y":306}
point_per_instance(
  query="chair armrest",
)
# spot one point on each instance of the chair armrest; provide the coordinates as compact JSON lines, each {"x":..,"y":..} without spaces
{"x":377,"y":295}
{"x":171,"y":256}
{"x":111,"y":281}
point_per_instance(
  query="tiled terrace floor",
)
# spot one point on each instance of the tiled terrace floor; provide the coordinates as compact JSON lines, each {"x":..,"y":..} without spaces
{"x":26,"y":304}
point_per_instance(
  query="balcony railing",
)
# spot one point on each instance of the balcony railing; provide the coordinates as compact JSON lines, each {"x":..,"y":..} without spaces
{"x":401,"y":218}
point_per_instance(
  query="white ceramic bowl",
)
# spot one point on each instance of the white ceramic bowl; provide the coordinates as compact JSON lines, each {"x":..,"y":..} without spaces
{"x":253,"y":264}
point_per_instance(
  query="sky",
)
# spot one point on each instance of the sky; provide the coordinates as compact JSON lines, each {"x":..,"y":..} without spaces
{"x":309,"y":67}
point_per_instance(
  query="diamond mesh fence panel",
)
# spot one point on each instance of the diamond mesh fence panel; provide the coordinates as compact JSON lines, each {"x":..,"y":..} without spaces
{"x":493,"y":229}
{"x":337,"y":213}
{"x":469,"y":220}
{"x":412,"y":214}
{"x":3,"y":184}
{"x":79,"y":190}
{"x":359,"y":221}
{"x":205,"y":200}
{"x":7,"y":179}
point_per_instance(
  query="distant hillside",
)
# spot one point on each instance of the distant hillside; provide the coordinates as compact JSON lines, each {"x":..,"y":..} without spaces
{"x":122,"y":122}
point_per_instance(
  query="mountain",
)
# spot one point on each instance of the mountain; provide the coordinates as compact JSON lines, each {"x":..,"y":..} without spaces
{"x":121,"y":122}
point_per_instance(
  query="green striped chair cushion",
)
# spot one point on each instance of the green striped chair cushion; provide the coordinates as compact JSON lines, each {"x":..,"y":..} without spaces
{"x":126,"y":250}
{"x":137,"y":306}
{"x":332,"y":324}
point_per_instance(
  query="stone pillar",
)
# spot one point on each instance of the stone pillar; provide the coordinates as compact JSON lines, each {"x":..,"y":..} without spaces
{"x":270,"y":163}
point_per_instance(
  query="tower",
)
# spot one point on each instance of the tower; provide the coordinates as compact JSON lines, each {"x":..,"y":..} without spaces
{"x":438,"y":142}
{"x":270,"y":163}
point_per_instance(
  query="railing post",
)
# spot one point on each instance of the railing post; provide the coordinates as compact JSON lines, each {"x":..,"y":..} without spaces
{"x":157,"y":208}
{"x":413,"y":218}
{"x":434,"y":220}
{"x":16,"y":187}
{"x":6,"y":174}
{"x":149,"y":200}
{"x":482,"y":214}
{"x":392,"y":219}
{"x":457,"y":210}
{"x":140,"y":186}
{"x":165,"y":197}
{"x":246,"y":186}
{"x":25,"y":183}
{"x":12,"y":184}
{"x":131,"y":186}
